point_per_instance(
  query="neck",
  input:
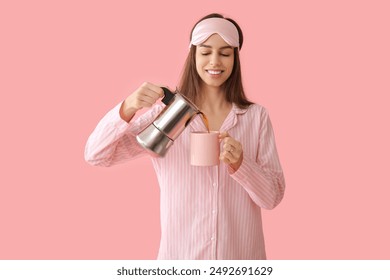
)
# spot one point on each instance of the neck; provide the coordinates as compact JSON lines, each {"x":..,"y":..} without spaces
{"x":212,"y":100}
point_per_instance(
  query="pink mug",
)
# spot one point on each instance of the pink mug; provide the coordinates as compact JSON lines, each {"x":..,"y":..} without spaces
{"x":204,"y":148}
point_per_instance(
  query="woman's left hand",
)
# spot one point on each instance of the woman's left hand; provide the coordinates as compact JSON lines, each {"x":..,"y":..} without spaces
{"x":231,"y":151}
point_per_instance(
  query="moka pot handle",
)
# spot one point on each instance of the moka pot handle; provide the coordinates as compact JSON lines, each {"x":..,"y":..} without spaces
{"x":168,"y":96}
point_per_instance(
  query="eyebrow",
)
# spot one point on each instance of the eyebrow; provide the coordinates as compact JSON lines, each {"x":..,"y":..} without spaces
{"x":221,"y":48}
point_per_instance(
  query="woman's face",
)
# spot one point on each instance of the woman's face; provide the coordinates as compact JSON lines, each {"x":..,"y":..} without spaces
{"x":214,"y":61}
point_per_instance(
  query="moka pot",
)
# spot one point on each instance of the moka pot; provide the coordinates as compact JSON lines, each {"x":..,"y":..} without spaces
{"x":159,"y":136}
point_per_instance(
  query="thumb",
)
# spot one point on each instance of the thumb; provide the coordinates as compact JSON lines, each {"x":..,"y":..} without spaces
{"x":222,"y":135}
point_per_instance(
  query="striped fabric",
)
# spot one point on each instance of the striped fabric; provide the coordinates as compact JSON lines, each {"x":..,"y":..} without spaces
{"x":206,"y":212}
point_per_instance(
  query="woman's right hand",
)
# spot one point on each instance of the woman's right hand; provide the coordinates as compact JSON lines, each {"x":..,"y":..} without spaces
{"x":145,"y":96}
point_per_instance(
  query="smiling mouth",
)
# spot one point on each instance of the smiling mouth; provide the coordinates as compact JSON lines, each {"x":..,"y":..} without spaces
{"x":214,"y":72}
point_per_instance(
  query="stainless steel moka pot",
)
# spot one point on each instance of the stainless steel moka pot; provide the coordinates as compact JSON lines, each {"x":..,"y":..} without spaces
{"x":159,"y":136}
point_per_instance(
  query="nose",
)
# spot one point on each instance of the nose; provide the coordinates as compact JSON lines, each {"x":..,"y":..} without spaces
{"x":215,"y":60}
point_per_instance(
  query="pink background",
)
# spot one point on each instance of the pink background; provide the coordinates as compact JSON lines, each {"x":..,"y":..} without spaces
{"x":322,"y":69}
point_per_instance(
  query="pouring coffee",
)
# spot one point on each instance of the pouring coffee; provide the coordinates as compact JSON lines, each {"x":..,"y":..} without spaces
{"x":159,"y":136}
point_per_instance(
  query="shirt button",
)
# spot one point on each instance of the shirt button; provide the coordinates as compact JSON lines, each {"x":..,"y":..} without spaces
{"x":214,"y":184}
{"x":214,"y":211}
{"x":212,"y":238}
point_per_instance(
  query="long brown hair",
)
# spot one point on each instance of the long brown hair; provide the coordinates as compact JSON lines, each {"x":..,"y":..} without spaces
{"x":190,"y":81}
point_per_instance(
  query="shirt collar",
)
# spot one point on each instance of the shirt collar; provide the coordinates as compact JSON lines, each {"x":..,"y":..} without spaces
{"x":230,"y":121}
{"x":237,"y":110}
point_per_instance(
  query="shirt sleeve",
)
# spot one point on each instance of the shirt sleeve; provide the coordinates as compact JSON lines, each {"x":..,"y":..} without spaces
{"x":113,"y":140}
{"x":263,"y":177}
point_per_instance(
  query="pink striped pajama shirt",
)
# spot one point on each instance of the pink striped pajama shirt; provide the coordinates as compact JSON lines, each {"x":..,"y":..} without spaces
{"x":206,"y":212}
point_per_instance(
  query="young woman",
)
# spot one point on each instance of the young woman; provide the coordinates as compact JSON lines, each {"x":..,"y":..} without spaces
{"x":206,"y":212}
